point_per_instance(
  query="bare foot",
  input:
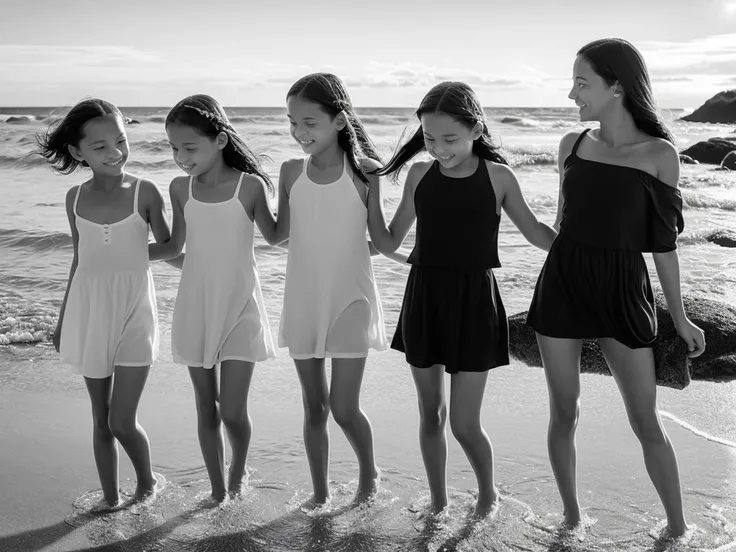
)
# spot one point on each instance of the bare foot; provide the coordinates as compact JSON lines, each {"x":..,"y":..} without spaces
{"x":149,"y":492}
{"x":235,"y":490}
{"x":315,"y":503}
{"x":369,"y":490}
{"x":106,"y":507}
{"x":571,"y":520}
{"x":488,"y":508}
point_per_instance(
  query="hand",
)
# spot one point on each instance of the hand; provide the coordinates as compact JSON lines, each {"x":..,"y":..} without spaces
{"x":694,"y":338}
{"x":57,"y":337}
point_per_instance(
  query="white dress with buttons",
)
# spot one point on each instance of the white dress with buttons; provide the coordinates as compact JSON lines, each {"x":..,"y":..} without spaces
{"x":110,"y":318}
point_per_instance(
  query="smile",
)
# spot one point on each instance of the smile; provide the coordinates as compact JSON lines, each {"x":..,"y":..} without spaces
{"x":444,"y":158}
{"x":116,"y":163}
{"x":186,"y":167}
{"x":305,"y":142}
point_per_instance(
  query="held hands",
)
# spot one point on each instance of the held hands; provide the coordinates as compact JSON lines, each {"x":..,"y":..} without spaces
{"x":693,"y":337}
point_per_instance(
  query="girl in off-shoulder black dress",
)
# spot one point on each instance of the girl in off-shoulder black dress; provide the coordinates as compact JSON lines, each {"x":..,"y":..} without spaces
{"x":618,"y":200}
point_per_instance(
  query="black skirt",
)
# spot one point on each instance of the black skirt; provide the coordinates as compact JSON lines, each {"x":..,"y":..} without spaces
{"x":454,"y":318}
{"x":586,"y":292}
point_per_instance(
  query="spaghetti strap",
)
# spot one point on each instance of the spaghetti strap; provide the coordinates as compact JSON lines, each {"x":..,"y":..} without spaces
{"x":76,"y":200}
{"x":136,"y":195}
{"x":237,"y":188}
{"x":190,"y":187}
{"x":577,"y":142}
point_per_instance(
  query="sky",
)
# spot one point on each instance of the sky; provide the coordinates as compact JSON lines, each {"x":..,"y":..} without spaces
{"x":517,"y":53}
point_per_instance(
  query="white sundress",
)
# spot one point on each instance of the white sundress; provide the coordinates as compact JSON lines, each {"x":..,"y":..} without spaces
{"x":219,"y":312}
{"x":110,"y":318}
{"x":331,"y":302}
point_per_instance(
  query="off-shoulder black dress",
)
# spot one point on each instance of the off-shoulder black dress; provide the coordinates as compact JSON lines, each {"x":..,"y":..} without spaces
{"x":595,"y":282}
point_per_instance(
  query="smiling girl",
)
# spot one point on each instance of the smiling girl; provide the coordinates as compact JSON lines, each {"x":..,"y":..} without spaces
{"x":452,"y":318}
{"x":618,"y":199}
{"x":108,"y":328}
{"x":219,"y":315}
{"x":331,"y":303}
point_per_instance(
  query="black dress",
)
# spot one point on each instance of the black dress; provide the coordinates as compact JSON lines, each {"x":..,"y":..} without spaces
{"x":595,"y":282}
{"x":452,"y":313}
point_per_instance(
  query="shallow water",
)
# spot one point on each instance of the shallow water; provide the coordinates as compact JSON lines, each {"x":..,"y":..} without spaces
{"x":45,"y":423}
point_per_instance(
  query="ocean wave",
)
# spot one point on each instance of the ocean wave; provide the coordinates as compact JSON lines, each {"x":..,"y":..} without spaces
{"x":527,"y":156}
{"x":23,"y":162}
{"x":151,"y":146}
{"x":709,"y":179}
{"x":698,"y":201}
{"x":17,"y":118}
{"x":34,"y":241}
{"x":519,"y":121}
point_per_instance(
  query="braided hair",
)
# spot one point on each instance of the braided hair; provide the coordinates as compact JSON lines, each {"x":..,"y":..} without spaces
{"x":328,"y":91}
{"x":207,"y":117}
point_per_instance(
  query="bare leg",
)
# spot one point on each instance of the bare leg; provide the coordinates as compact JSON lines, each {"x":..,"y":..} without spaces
{"x":633,"y":370}
{"x":561,"y":359}
{"x":347,"y":375}
{"x":234,"y":387}
{"x":209,"y":428}
{"x":103,"y":441}
{"x":430,"y":384}
{"x":127,"y":388}
{"x":316,"y":399}
{"x":466,"y":401}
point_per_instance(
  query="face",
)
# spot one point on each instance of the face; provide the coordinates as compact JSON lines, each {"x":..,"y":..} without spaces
{"x":312,"y":128}
{"x":193,"y":152}
{"x":590,"y":92}
{"x":447,"y":140}
{"x":104,"y":145}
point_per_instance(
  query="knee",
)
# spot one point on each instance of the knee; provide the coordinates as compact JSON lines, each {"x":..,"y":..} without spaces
{"x":122,"y":426}
{"x":464,"y":428}
{"x":316,"y":413}
{"x":565,"y":413}
{"x":101,"y":427}
{"x":647,"y":428}
{"x":234,"y":417}
{"x":433,"y":419}
{"x":208,"y":415}
{"x":344,"y":414}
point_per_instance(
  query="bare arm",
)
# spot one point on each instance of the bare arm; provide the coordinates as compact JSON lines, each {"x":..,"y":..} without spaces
{"x":566,"y":145}
{"x":70,"y":195}
{"x":537,"y":233}
{"x":170,"y":249}
{"x":387,"y":239}
{"x":668,"y":263}
{"x":273,"y":228}
{"x":155,"y":211}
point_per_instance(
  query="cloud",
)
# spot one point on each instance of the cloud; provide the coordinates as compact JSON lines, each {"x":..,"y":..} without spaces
{"x":672,"y":79}
{"x":711,"y":55}
{"x":70,"y":56}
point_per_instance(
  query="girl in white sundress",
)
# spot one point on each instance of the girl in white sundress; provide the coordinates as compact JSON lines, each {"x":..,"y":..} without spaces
{"x":107,"y":329}
{"x":219,"y":315}
{"x":331,"y":303}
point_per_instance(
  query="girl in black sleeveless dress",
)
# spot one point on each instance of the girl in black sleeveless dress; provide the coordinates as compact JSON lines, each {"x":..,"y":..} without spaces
{"x":618,"y":199}
{"x":452,"y":316}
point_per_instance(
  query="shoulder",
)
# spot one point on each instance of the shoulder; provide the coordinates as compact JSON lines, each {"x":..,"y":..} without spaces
{"x":253,"y":183}
{"x":149,"y":189}
{"x":568,"y":141}
{"x":417,"y":171}
{"x":499,"y":171}
{"x":290,"y":171}
{"x":292,"y":165}
{"x":667,"y":160}
{"x":71,"y":195}
{"x":179,"y":184}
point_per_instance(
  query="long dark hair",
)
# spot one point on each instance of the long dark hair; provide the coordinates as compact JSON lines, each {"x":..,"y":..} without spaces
{"x":206,"y":116}
{"x":69,"y":131}
{"x":328,"y":91}
{"x":459,"y":101}
{"x":616,"y":60}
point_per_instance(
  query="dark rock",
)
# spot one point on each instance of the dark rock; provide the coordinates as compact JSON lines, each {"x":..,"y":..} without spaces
{"x":729,"y":162}
{"x":711,"y":151}
{"x":724,"y":238}
{"x":687,"y":160}
{"x":673,"y":367}
{"x":721,"y":108}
